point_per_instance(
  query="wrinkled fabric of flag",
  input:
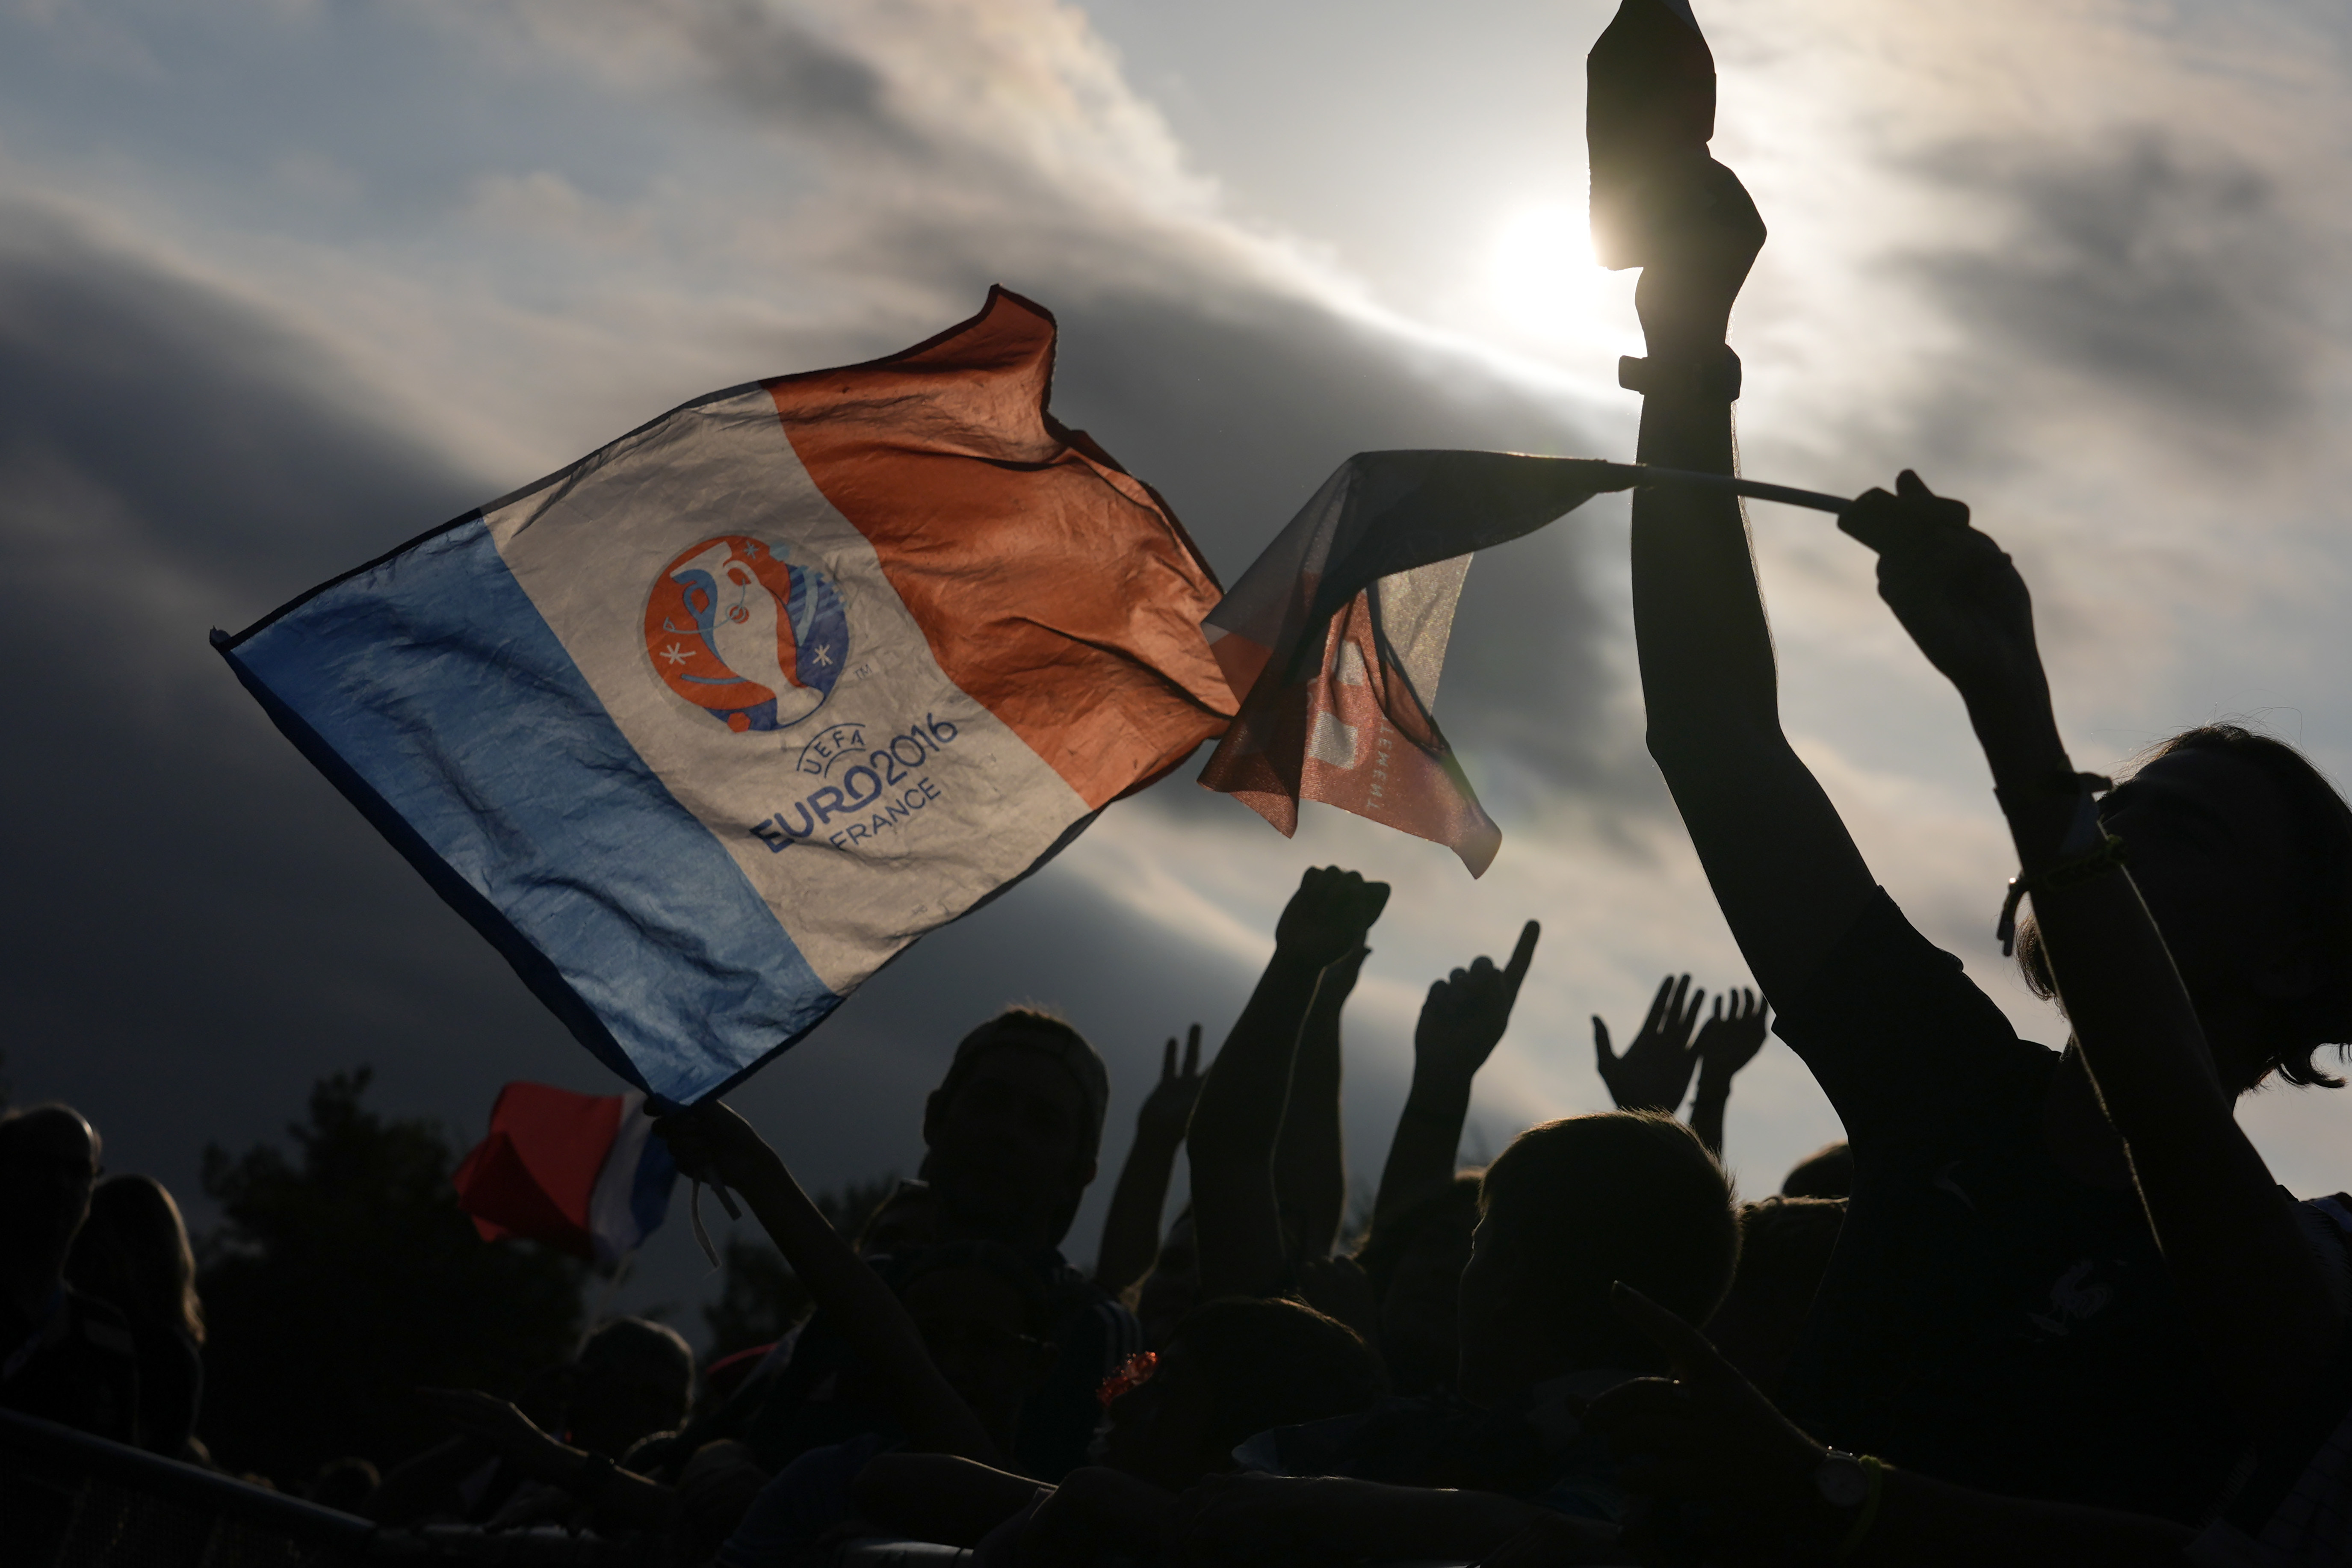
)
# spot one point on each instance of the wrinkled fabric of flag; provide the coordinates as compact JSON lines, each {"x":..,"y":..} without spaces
{"x":1336,"y":634}
{"x":707,"y":727}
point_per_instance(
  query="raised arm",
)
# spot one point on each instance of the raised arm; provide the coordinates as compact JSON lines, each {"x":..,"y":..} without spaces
{"x":1783,"y":868}
{"x":2228,"y":1233}
{"x":1461,"y":1023}
{"x":1130,"y":1234}
{"x":711,"y":1141}
{"x":1310,"y":1160}
{"x":1239,"y":1117}
{"x":1727,"y":1042}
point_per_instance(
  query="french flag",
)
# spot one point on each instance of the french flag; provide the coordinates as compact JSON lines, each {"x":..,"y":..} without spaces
{"x":705,"y":728}
{"x":579,"y":1172}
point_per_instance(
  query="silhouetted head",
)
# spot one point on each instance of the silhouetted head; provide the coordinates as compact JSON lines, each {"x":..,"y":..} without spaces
{"x":1826,"y":1173}
{"x":1568,"y":1208}
{"x":1014,"y":1130}
{"x":1784,"y":1249}
{"x":1173,"y":1287}
{"x":1415,"y":1260}
{"x":1234,"y":1368}
{"x":132,"y":1253}
{"x":2243,"y":852}
{"x":48,"y":1164}
{"x":986,"y":1318}
{"x":634,"y":1378}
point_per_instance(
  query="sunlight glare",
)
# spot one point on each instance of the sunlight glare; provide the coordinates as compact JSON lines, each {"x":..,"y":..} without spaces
{"x":1542,"y":279}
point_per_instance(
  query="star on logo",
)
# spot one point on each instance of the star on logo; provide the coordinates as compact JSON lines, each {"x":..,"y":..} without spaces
{"x":752,"y":551}
{"x":822,"y":658}
{"x":674,"y":654}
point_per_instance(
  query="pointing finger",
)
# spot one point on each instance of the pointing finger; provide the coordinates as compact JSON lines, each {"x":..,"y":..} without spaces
{"x":1192,"y":1052}
{"x":1522,"y":955}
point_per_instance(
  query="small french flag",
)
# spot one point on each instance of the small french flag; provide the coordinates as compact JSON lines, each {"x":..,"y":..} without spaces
{"x":581,"y":1173}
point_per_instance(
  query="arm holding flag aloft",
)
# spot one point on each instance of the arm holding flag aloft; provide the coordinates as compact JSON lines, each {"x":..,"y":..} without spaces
{"x":711,"y":1142}
{"x":2231,"y":1238}
{"x":1781,"y":864}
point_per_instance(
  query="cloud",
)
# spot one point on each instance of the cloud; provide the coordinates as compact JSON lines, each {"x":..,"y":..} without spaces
{"x":2155,"y":266}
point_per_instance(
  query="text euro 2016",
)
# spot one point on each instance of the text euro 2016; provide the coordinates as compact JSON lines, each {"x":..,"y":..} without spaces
{"x":872,"y":798}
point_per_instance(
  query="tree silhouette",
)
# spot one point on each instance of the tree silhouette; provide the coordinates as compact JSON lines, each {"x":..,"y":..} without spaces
{"x":344,"y":1276}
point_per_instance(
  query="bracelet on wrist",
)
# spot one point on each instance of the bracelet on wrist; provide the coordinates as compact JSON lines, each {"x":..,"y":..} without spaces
{"x":1712,"y":375}
{"x":2107,"y":857}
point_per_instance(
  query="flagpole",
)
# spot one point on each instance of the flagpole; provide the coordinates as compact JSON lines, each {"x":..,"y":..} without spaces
{"x":1753,"y":489}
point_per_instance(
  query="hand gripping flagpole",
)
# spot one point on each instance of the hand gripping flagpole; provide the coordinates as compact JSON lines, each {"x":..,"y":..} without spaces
{"x":656,"y":1106}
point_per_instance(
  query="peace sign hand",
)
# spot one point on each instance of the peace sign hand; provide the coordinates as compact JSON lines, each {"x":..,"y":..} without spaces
{"x":1168,"y":1110}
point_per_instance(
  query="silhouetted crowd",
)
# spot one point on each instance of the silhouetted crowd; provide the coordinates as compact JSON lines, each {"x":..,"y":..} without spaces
{"x":2043,"y":1306}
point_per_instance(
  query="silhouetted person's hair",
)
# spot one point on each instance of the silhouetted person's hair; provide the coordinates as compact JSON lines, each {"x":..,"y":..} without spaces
{"x":27,"y":1121}
{"x":1826,"y":1173}
{"x":1035,"y":1029}
{"x":2320,"y":826}
{"x":133,"y":1254}
{"x":1275,"y":1363}
{"x":638,"y":1342}
{"x":1454,"y":1204}
{"x":1628,"y":1196}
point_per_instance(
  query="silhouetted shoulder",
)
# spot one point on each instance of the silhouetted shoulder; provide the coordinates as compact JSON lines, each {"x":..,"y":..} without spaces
{"x":1910,"y":1051}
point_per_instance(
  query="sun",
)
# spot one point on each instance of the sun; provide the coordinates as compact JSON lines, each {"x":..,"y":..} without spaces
{"x":1542,"y":280}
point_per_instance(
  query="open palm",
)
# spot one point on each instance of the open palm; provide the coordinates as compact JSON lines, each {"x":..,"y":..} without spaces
{"x":1654,"y":1073}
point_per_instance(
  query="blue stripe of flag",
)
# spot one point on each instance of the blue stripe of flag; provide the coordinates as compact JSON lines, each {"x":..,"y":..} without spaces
{"x":432,"y":682}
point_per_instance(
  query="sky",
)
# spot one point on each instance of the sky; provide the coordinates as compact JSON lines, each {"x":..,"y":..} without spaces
{"x":285,"y":282}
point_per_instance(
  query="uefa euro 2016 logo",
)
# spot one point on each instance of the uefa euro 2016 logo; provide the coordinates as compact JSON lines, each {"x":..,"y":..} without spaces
{"x":740,"y":629}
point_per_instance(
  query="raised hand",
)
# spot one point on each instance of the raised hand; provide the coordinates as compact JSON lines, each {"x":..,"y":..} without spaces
{"x":1326,"y":919}
{"x":1655,"y":1071}
{"x":1167,"y":1108}
{"x":1955,"y":591}
{"x":1727,"y":1042}
{"x":1707,"y":234}
{"x":712,"y":1143}
{"x":1340,"y":977}
{"x":1730,"y":1038}
{"x":1465,"y":1013}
